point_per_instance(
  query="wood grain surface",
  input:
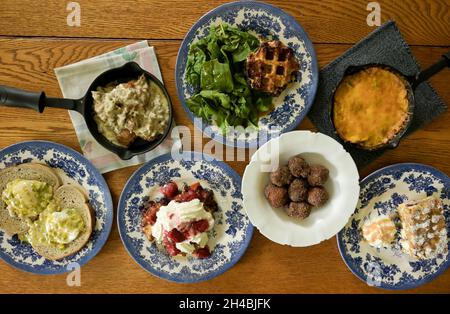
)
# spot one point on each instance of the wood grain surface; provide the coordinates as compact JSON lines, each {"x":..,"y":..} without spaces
{"x":423,"y":22}
{"x":34,"y":39}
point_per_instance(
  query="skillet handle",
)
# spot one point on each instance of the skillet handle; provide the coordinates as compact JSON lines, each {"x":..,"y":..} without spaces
{"x":13,"y":97}
{"x":432,"y":70}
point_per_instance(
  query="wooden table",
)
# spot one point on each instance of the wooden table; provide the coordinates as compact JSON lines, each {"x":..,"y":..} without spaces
{"x":35,"y":38}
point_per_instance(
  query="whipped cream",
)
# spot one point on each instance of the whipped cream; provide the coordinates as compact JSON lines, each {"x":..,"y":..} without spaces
{"x":175,"y":214}
{"x":379,"y":232}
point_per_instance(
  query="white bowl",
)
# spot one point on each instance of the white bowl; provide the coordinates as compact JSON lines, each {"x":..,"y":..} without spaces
{"x":324,"y":222}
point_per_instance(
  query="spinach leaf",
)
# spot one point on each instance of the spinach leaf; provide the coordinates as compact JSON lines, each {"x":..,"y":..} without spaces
{"x":195,"y":61}
{"x":263,"y":104}
{"x":216,"y":76}
{"x":219,"y":99}
{"x":216,"y":68}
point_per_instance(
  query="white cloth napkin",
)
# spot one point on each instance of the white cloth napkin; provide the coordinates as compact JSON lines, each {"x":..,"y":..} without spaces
{"x":75,"y":79}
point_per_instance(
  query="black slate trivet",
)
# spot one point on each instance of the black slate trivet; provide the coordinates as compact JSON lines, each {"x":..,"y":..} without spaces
{"x":385,"y":45}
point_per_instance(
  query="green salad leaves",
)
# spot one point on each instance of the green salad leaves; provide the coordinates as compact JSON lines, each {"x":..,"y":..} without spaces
{"x":216,"y":69}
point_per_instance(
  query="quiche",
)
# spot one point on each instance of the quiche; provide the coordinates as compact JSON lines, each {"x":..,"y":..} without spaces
{"x":370,"y":107}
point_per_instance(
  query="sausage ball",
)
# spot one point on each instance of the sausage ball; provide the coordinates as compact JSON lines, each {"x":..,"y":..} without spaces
{"x":318,"y":175}
{"x":300,"y":210}
{"x":298,"y":190}
{"x":298,"y":167}
{"x":317,"y":196}
{"x":276,"y":196}
{"x":281,"y":176}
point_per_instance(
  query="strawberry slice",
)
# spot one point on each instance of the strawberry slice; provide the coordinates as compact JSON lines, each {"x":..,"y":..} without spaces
{"x":170,"y":190}
{"x":186,"y":196}
{"x":200,"y":225}
{"x":149,"y":216}
{"x":170,"y":246}
{"x":202,"y":253}
{"x":176,"y":236}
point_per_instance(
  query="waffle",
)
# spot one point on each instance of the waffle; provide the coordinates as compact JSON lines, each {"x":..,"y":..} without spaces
{"x":270,"y":69}
{"x":424,"y":233}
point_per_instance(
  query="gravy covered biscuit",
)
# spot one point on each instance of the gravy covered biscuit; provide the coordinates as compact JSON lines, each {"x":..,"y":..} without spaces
{"x":127,"y":111}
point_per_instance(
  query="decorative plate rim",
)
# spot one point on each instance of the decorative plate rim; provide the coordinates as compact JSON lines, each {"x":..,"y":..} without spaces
{"x":147,"y":266}
{"x":341,"y":246}
{"x":204,"y":127}
{"x":105,"y":232}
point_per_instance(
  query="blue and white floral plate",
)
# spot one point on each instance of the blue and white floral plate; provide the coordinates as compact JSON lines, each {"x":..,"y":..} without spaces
{"x":229,"y":238}
{"x":20,"y":254}
{"x":262,"y":20}
{"x":381,"y":193}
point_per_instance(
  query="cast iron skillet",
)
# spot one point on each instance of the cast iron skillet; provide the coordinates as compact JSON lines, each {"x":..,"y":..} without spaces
{"x":410,"y":82}
{"x":13,"y":97}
